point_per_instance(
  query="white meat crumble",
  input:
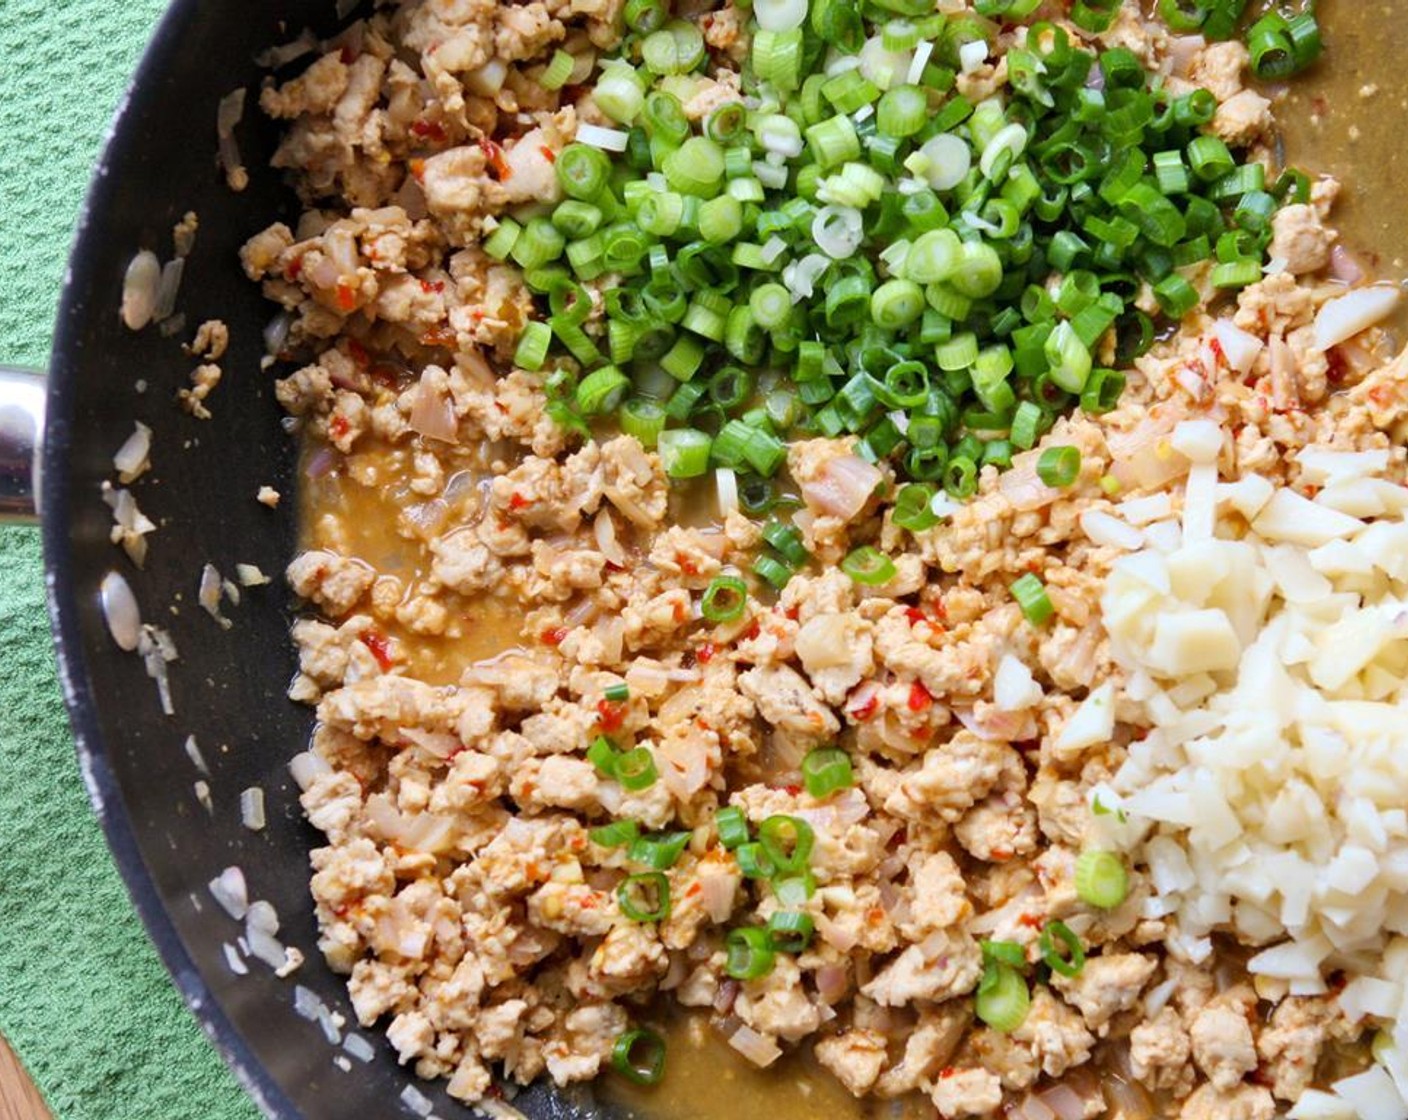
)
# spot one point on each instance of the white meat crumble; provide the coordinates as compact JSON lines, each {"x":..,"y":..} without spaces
{"x":466,"y":888}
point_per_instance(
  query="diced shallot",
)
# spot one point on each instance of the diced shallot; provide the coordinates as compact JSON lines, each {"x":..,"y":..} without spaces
{"x":604,"y":530}
{"x":229,"y":890}
{"x":252,"y":808}
{"x":307,"y":767}
{"x":1238,"y":346}
{"x":133,"y":458}
{"x":1343,"y":318}
{"x":759,"y":1049}
{"x":120,"y":611}
{"x":228,"y":114}
{"x":843,"y":486}
{"x":139,"y":289}
{"x":433,"y":414}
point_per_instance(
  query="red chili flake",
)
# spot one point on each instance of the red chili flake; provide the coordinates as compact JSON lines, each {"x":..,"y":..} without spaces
{"x":380,"y":646}
{"x":429,"y":130}
{"x":753,"y":630}
{"x":294,"y":269}
{"x":358,"y":353}
{"x":920,"y":699}
{"x":494,"y":156}
{"x":947,"y":1072}
{"x":1001,"y":855}
{"x":940,"y":610}
{"x":1031,"y":921}
{"x":915,"y":616}
{"x":795,"y":791}
{"x":687,"y":566}
{"x":348,"y":56}
{"x":611,"y":714}
{"x":693,"y":889}
{"x":346,"y":297}
{"x":705,"y":653}
{"x":339,"y":426}
{"x":793,"y":613}
{"x":681,"y":611}
{"x":864,"y":711}
{"x":428,"y":286}
{"x":417,"y":167}
{"x":1216,"y":347}
{"x":518,"y":501}
{"x":548,"y":153}
{"x":554,"y":635}
{"x":439,"y":335}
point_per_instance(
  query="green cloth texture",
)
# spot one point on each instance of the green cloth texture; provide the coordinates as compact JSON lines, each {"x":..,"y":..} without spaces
{"x":84,"y":999}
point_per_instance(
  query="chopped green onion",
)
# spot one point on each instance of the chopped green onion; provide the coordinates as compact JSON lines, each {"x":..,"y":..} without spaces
{"x":602,"y":390}
{"x":1003,"y":998}
{"x":603,"y":754}
{"x":615,"y":834}
{"x":1059,"y":466}
{"x":1101,"y":879}
{"x":869,"y":566}
{"x":639,"y":1056}
{"x":684,"y":452}
{"x":749,"y":954}
{"x":660,"y":850}
{"x":558,"y":70}
{"x":1008,"y":953}
{"x":788,"y":541}
{"x":732,"y":827}
{"x":787,"y":841}
{"x":644,"y":897}
{"x":725,"y":599}
{"x":754,"y":861}
{"x":635,"y":769}
{"x":827,"y":770}
{"x":790,"y":931}
{"x":1061,"y":949}
{"x":1031,"y":596}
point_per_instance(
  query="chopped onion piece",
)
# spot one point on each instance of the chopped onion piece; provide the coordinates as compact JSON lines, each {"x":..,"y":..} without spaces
{"x":1238,"y":347}
{"x":193,"y":753}
{"x":169,"y":288}
{"x":230,"y":892}
{"x":252,"y":808}
{"x":228,"y":114}
{"x":133,"y":458}
{"x":233,"y":960}
{"x":1343,"y":318}
{"x":307,"y":767}
{"x":139,"y":290}
{"x":209,"y":595}
{"x":120,"y":611}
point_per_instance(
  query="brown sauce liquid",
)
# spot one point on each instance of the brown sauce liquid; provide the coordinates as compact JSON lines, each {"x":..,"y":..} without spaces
{"x":1331,"y":123}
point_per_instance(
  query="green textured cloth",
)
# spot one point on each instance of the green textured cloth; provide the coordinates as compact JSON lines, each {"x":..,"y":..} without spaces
{"x":83,"y":998}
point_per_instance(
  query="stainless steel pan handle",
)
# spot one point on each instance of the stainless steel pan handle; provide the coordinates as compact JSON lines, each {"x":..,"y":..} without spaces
{"x":21,"y":430}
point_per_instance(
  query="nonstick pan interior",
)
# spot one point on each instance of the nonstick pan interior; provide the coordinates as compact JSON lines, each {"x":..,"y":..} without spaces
{"x":227,"y":686}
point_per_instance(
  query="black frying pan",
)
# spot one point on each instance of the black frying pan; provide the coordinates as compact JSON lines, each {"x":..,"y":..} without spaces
{"x":228,"y":687}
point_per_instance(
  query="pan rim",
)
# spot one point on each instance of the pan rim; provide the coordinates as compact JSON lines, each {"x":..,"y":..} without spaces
{"x":61,"y":593}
